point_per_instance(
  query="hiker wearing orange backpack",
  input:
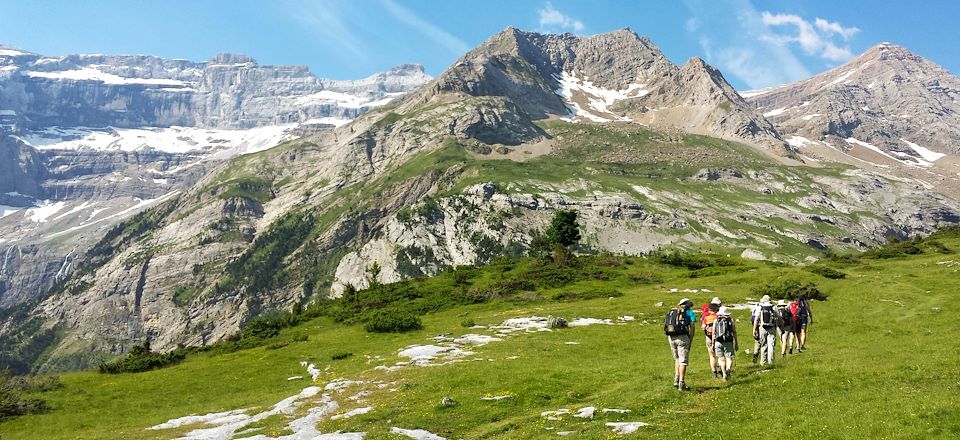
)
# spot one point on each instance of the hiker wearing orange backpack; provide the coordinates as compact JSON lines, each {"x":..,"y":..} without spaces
{"x":725,"y":342}
{"x":707,"y":319}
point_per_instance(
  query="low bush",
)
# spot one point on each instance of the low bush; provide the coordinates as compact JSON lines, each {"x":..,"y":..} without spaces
{"x":141,"y":358}
{"x":717,"y":270}
{"x":392,"y":321}
{"x":587,"y":294}
{"x":827,"y":272}
{"x":790,"y":289}
{"x":693,"y":261}
{"x":341,"y":355}
{"x":895,"y":249}
{"x":12,"y":404}
{"x":467,"y":323}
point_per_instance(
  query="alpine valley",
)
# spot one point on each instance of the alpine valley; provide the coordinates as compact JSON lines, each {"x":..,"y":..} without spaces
{"x":173,"y":201}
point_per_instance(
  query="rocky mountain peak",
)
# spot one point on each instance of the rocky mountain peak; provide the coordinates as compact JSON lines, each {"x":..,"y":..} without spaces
{"x":229,"y":58}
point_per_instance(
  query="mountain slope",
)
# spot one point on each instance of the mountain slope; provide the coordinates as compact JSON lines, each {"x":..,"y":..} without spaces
{"x":87,"y":141}
{"x":468,"y":168}
{"x":888,"y":107}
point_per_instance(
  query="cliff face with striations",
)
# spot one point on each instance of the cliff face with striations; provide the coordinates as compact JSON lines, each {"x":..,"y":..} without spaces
{"x":89,"y":140}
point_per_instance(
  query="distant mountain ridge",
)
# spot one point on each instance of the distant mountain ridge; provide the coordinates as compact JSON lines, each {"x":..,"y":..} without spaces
{"x":89,"y":140}
{"x":231,"y":91}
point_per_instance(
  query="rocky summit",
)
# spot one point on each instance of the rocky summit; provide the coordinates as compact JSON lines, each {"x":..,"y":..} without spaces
{"x":888,"y":109}
{"x":465,"y":169}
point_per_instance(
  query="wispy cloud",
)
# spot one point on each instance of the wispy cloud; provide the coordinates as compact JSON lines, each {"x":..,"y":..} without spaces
{"x":552,"y":19}
{"x":430,"y":30}
{"x":816,"y":38}
{"x":329,"y":23}
{"x":762,"y":49}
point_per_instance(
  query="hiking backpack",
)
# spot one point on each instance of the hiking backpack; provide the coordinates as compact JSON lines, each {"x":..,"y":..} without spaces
{"x":787,"y":316}
{"x":676,"y":322}
{"x":767,"y":316}
{"x":708,"y":321}
{"x":723,"y":329}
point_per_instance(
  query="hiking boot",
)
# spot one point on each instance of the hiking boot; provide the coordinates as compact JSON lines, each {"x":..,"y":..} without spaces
{"x":714,"y":374}
{"x":727,"y":376}
{"x":682,"y":387}
{"x":755,"y":356}
{"x":791,"y":350}
{"x":676,"y":381}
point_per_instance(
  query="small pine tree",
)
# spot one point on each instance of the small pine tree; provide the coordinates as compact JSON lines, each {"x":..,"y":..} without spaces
{"x":564,"y":229}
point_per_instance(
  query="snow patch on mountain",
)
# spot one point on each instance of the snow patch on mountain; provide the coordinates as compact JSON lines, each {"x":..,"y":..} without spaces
{"x":93,"y":74}
{"x":926,"y":154}
{"x":169,"y":140}
{"x":597,"y":99}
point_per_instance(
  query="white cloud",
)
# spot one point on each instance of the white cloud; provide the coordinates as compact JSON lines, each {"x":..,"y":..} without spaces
{"x":816,"y":39}
{"x":550,"y":18}
{"x":330,"y":25}
{"x":430,"y":30}
{"x":762,"y":49}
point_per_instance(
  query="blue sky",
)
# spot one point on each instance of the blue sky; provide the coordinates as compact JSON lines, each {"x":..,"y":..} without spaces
{"x":755,"y":43}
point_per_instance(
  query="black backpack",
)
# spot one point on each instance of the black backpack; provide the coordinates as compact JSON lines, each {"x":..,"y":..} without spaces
{"x":676,"y":322}
{"x":768,"y":318}
{"x":787,"y":318}
{"x":723,"y":329}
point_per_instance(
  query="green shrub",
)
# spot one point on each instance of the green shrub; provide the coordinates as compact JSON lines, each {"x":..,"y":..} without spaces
{"x":789,"y":289}
{"x":894,"y":249}
{"x":827,"y":272}
{"x":717,"y":270}
{"x":694,"y":261}
{"x":467,"y":323}
{"x":593,"y":293}
{"x":12,"y":404}
{"x":141,"y":358}
{"x":392,"y":321}
{"x":341,"y":355}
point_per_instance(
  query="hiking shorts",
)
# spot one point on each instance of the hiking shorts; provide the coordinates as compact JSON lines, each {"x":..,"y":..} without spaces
{"x":680,"y":347}
{"x":724,"y":349}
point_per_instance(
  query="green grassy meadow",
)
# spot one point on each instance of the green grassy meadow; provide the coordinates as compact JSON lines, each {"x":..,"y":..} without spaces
{"x":882,"y":362}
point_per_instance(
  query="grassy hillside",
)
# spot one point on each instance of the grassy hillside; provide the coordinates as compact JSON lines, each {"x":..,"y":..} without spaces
{"x":881,"y":361}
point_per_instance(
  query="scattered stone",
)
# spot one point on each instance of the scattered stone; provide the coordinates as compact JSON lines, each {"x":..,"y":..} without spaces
{"x":556,"y":322}
{"x":295,"y":378}
{"x":586,"y":413}
{"x":626,"y":318}
{"x":615,"y":410}
{"x":447,"y":401}
{"x":416,"y":434}
{"x":626,"y":427}
{"x":352,"y":413}
{"x":555,"y":415}
{"x":565,"y":433}
{"x":582,"y":322}
{"x":500,"y":397}
{"x":658,"y":304}
{"x":572,"y":343}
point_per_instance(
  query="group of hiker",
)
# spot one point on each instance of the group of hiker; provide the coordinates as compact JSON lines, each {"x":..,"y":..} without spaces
{"x":767,"y":320}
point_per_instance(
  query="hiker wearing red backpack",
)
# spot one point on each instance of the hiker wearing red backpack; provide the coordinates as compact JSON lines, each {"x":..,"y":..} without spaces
{"x":679,"y":327}
{"x":765,"y":324}
{"x":726,"y":344}
{"x":787,"y":326}
{"x":707,"y":319}
{"x":803,"y":316}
